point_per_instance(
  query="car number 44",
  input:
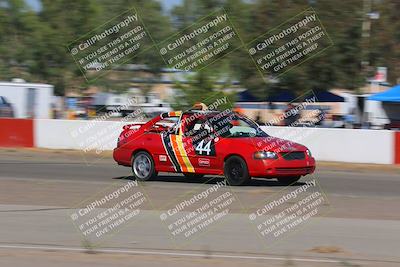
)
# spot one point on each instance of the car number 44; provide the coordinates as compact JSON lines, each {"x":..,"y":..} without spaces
{"x":201,"y":147}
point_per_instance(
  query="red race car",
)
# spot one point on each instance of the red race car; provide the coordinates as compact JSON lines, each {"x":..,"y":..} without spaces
{"x":210,"y":143}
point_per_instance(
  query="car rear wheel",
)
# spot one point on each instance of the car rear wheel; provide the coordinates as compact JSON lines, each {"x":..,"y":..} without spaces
{"x":143,"y":166}
{"x":236,"y":171}
{"x":288,"y":180}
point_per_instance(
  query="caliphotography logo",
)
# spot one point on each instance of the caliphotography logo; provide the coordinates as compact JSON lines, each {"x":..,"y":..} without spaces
{"x":289,"y":44}
{"x":205,"y":41}
{"x":110,"y":45}
{"x":106,"y":213}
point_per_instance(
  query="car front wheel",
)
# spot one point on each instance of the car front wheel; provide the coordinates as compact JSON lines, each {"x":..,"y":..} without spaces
{"x":143,"y":166}
{"x":235,"y":171}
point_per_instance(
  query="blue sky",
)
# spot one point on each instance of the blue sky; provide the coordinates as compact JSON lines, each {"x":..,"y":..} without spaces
{"x":35,"y":4}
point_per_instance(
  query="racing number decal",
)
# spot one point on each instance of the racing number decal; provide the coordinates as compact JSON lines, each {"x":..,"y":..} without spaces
{"x":200,"y":148}
{"x":205,"y":147}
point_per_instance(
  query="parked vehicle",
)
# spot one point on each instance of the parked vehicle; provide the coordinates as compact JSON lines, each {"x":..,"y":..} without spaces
{"x":6,"y":109}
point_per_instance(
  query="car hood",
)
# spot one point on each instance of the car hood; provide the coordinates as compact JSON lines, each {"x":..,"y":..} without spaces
{"x":270,"y":143}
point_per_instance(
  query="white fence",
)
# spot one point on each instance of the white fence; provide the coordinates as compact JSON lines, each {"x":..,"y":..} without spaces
{"x":342,"y":145}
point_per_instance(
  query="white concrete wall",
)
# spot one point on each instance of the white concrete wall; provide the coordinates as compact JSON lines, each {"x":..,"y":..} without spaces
{"x":77,"y":134}
{"x":342,"y":145}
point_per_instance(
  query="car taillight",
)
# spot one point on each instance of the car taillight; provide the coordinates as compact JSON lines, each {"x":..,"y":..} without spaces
{"x":125,"y":136}
{"x":120,"y":139}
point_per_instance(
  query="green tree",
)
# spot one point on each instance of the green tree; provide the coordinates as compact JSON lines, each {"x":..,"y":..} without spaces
{"x":201,"y":87}
{"x":17,"y":24}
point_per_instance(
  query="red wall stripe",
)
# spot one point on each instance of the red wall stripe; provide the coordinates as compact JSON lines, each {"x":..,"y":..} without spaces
{"x":16,"y":133}
{"x":397,"y":147}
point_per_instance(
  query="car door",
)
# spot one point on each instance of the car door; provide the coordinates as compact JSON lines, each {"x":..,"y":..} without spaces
{"x":199,"y":141}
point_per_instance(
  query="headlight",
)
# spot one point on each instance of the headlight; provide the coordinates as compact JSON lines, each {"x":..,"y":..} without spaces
{"x":308,"y":151}
{"x":265,"y":155}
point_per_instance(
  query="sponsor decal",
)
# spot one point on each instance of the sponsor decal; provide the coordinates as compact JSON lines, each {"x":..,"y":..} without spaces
{"x":204,"y":162}
{"x":162,"y":158}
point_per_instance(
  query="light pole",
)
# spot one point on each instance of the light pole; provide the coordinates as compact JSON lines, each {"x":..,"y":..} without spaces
{"x":368,"y":16}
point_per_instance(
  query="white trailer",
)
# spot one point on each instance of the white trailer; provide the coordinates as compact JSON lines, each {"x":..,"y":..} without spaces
{"x":29,"y":100}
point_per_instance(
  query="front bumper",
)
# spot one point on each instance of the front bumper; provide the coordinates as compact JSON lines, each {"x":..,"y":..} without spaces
{"x":281,"y":167}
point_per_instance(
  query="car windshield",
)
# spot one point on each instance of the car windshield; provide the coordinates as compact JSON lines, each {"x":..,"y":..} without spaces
{"x":229,"y":125}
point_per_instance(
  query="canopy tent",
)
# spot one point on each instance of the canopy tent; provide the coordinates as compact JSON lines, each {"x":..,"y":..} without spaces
{"x":391,"y":95}
{"x":325,"y":96}
{"x":282,"y":96}
{"x":289,"y":96}
{"x":246,"y":96}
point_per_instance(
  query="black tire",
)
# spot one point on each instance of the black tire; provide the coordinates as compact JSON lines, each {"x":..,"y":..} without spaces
{"x":191,"y":175}
{"x":236,"y":171}
{"x":142,"y":165}
{"x":288,"y":180}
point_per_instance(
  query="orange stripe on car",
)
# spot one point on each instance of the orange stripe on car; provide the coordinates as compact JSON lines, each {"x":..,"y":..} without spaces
{"x":177,"y":154}
{"x":184,"y":155}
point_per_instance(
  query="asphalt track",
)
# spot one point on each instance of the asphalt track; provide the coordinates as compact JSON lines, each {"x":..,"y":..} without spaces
{"x":39,"y":188}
